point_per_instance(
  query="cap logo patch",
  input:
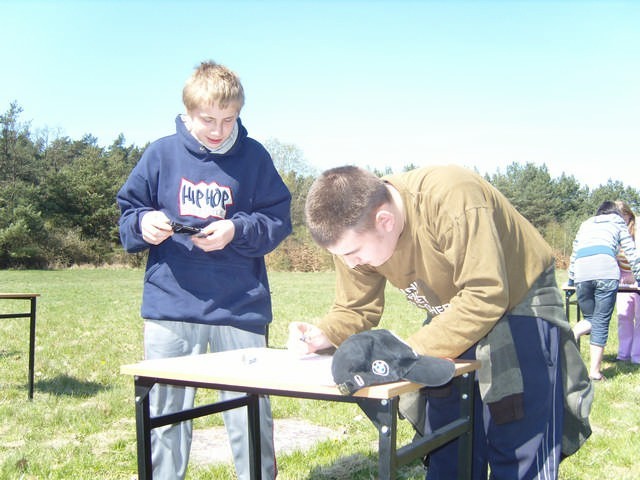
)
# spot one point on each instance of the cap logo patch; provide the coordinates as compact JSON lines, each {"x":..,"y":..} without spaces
{"x":358,"y":379}
{"x":380,"y":367}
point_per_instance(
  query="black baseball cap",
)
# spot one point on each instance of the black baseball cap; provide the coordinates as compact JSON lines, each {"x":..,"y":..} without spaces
{"x":379,"y":356}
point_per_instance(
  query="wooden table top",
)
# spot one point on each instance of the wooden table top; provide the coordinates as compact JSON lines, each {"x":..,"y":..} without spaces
{"x":16,"y":296}
{"x":266,"y":368}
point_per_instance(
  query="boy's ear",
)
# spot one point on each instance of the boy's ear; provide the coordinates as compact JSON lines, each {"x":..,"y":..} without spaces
{"x":186,"y":118}
{"x":385,"y":220}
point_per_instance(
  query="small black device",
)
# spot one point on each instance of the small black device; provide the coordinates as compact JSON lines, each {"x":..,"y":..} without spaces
{"x":180,"y":228}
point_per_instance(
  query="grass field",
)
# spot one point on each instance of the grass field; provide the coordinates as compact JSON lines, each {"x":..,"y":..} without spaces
{"x":81,"y":425}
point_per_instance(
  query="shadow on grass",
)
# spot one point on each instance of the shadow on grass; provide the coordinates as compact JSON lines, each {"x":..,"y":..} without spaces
{"x":66,"y":385}
{"x":362,"y":467}
{"x":617,"y":367}
{"x":11,"y":353}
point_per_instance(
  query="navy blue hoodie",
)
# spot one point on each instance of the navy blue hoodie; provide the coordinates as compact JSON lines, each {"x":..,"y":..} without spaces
{"x":181,"y":178}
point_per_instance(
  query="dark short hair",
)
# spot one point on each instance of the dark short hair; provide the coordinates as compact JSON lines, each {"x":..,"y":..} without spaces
{"x":608,"y":207}
{"x":341,"y":199}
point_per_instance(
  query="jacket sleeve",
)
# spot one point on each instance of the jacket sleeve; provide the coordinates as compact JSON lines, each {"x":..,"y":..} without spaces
{"x":134,"y":198}
{"x":259,"y":231}
{"x":572,"y":258}
{"x":630,"y":252}
{"x":358,"y":305}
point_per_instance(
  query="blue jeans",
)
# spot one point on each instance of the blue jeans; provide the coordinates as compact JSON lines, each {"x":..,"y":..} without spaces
{"x":597,"y":299}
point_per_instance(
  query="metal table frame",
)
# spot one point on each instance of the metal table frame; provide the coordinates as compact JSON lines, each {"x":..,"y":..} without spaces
{"x":31,"y":315}
{"x":569,"y":291}
{"x":383,"y":413}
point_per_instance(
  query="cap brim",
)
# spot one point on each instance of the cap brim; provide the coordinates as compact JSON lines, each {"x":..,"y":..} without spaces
{"x":431,"y":371}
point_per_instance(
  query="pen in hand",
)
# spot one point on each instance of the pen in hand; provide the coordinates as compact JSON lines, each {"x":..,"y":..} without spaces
{"x":306,"y":338}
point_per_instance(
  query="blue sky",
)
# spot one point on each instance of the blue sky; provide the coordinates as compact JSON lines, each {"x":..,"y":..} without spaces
{"x":374,"y":83}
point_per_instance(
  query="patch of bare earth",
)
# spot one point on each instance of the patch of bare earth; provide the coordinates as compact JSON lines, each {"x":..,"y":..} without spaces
{"x":210,"y":445}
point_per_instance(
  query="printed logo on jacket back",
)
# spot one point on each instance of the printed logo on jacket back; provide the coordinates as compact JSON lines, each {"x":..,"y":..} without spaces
{"x":204,"y":200}
{"x":414,"y":295}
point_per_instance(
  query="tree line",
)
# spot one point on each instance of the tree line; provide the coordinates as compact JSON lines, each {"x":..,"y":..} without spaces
{"x":58,"y":208}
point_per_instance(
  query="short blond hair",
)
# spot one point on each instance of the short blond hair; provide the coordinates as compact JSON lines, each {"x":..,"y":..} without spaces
{"x":212,"y":84}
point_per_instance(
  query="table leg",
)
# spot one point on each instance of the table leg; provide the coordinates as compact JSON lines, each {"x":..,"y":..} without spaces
{"x":387,"y":437}
{"x":32,"y":345}
{"x":253,"y":415}
{"x":384,"y":415}
{"x":567,"y":307}
{"x":465,"y":449}
{"x":143,"y":429}
{"x":145,"y":423}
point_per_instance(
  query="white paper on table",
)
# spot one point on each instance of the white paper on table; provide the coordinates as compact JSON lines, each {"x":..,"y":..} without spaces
{"x":286,"y":366}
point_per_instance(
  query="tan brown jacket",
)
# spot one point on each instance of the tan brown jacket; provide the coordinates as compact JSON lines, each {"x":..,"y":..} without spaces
{"x":465,"y":256}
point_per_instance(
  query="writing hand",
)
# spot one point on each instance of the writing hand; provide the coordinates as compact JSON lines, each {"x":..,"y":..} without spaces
{"x":306,"y":338}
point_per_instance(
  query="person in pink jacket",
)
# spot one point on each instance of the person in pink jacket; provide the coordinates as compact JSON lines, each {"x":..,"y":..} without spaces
{"x":628,"y":304}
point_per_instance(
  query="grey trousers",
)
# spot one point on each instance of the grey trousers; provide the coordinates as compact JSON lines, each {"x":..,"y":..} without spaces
{"x":171,"y":444}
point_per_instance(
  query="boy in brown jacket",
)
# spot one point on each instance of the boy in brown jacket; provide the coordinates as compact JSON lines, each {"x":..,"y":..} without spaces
{"x":485,"y":277}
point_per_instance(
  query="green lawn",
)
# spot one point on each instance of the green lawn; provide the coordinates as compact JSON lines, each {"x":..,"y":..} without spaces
{"x":81,"y":423}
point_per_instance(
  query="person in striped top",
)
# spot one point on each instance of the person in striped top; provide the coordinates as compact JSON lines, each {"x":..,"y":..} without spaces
{"x":596,"y":274}
{"x":628,"y":304}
